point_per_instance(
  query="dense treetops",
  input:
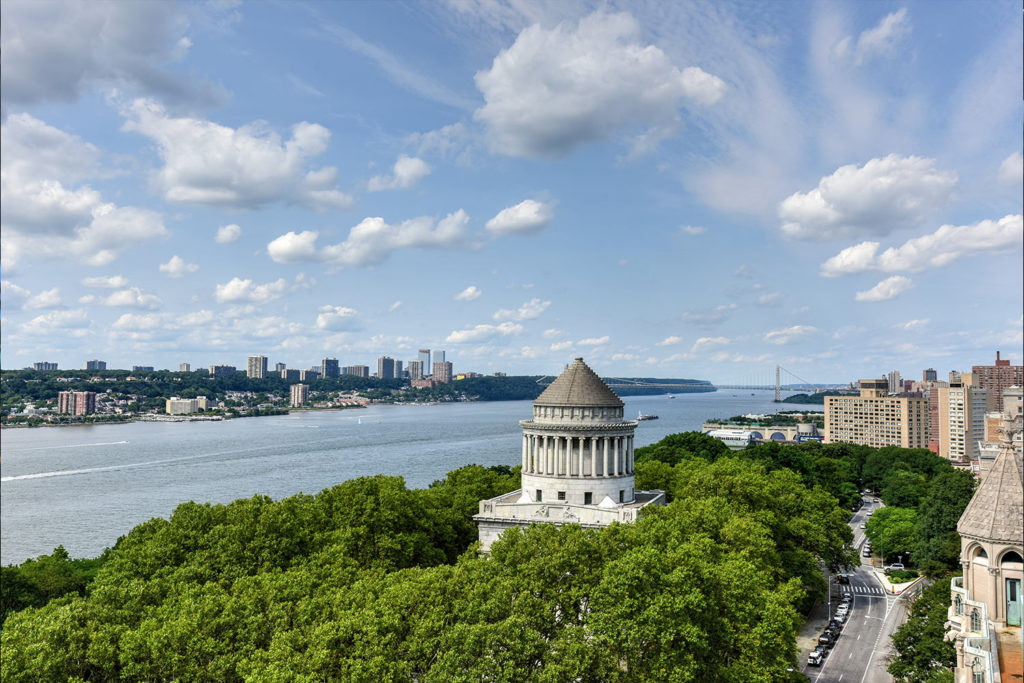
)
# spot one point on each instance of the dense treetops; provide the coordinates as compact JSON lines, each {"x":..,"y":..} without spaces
{"x":369,"y":580}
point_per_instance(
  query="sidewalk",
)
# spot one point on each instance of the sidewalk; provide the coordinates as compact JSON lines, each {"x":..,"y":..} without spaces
{"x":890,"y":587}
{"x":807,"y":638}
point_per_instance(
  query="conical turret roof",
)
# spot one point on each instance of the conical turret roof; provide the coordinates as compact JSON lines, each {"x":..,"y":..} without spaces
{"x":578,"y":386}
{"x":996,"y":511}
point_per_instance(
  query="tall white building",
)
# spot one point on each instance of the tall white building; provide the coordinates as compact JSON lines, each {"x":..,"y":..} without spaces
{"x":299,"y":395}
{"x":577,"y":460}
{"x":256,"y":367}
{"x":895,"y":382}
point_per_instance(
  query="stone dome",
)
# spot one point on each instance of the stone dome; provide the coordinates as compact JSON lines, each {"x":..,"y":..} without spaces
{"x":578,"y":386}
{"x":996,"y":511}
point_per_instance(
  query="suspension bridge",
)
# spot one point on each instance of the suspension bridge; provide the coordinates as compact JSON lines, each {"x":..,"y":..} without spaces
{"x":762,"y":383}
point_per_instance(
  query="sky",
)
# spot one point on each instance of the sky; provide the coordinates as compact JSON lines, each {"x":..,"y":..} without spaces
{"x":692,"y":189}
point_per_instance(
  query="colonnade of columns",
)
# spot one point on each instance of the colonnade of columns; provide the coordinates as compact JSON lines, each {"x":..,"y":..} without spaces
{"x":573,"y":456}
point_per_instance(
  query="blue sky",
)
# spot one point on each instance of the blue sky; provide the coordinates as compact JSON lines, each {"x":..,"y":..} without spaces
{"x":666,"y":189}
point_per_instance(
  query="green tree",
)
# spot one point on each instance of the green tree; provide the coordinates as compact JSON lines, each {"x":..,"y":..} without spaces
{"x":922,"y":653}
{"x":892,"y":531}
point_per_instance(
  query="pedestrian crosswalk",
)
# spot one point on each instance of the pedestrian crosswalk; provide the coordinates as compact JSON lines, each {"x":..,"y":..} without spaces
{"x":864,"y":590}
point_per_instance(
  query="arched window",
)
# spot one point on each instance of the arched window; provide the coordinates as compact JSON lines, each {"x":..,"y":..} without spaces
{"x":1012,"y":556}
{"x":975,"y":620}
{"x":980,"y":552}
{"x":959,"y":605}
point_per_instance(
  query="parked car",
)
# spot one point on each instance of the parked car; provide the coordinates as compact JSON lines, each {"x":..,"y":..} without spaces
{"x":837,"y":623}
{"x":866,"y":552}
{"x":841,"y":618}
{"x":895,"y":566}
{"x":842,"y":611}
{"x":815,"y":658}
{"x":825,"y":639}
{"x":863,"y":525}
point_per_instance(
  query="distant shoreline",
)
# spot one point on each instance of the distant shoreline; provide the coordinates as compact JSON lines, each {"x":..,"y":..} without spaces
{"x":151,"y":417}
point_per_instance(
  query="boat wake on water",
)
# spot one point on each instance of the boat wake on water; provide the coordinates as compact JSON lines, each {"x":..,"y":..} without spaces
{"x":74,"y":445}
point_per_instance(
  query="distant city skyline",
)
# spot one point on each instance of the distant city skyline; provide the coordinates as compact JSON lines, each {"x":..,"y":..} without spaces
{"x":668,"y":190}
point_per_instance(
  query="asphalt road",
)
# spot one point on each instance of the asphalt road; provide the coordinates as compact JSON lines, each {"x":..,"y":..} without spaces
{"x":861,"y":654}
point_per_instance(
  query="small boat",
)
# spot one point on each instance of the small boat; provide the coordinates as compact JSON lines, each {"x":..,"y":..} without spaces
{"x":671,"y":395}
{"x":640,"y":417}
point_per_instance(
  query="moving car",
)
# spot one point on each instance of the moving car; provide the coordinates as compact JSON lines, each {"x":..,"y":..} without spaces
{"x":842,"y":578}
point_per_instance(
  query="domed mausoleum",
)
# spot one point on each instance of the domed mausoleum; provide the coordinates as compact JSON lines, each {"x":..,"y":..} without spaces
{"x":577,"y":460}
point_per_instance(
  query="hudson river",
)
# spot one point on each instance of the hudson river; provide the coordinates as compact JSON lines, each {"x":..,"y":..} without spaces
{"x":83,"y":487}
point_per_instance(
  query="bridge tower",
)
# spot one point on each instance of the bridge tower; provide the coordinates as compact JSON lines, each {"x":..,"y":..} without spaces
{"x":778,"y":385}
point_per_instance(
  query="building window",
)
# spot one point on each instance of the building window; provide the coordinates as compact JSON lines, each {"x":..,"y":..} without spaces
{"x":539,"y":496}
{"x":588,"y":498}
{"x":959,"y":605}
{"x":622,"y":495}
{"x":561,"y":495}
{"x":975,"y":620}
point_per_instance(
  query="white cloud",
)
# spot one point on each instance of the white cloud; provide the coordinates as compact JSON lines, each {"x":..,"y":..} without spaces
{"x":406,"y":172}
{"x":480,"y":332}
{"x":57,"y":51}
{"x":884,"y":195}
{"x":228,"y":234}
{"x":34,"y":149}
{"x":372,"y":241}
{"x":177,"y":267}
{"x":337,"y":318}
{"x":561,"y":346}
{"x":705,"y":343}
{"x":712,"y":316}
{"x":788,"y":334}
{"x":555,"y":90}
{"x":106,"y":282}
{"x":594,"y":341}
{"x":669,"y":341}
{"x":552,"y":333}
{"x":769,"y":299}
{"x":887,"y":289}
{"x":12,"y":291}
{"x":1011,"y":171}
{"x":238,"y":289}
{"x":132,"y":297}
{"x":526,"y":216}
{"x":46,"y":299}
{"x":247,"y":167}
{"x":911,"y":325}
{"x":394,"y":306}
{"x":940,"y":248}
{"x":468,"y":294}
{"x":878,"y":41}
{"x":57,"y":322}
{"x":528,"y":311}
{"x":692,"y":229}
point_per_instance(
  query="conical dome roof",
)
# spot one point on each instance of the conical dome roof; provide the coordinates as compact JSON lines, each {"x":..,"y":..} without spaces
{"x":578,"y":386}
{"x":996,"y":511}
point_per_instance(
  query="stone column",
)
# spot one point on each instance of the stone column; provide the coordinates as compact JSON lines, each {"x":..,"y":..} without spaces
{"x":967,"y":564}
{"x":615,"y":444}
{"x":558,"y":455}
{"x":996,"y":602}
{"x":593,"y":456}
{"x":525,"y":452}
{"x":547,"y":455}
{"x":580,"y":460}
{"x":604,"y":460}
{"x":632,"y":447}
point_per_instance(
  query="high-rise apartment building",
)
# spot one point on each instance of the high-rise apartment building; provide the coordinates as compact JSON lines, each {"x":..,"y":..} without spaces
{"x":218,"y":371}
{"x":256,"y":368}
{"x":43,"y":365}
{"x":998,"y":378}
{"x":895,"y":382}
{"x":876,"y":419}
{"x":95,"y":365}
{"x":309,"y":375}
{"x":278,"y":367}
{"x":290,"y":373}
{"x":934,"y":437}
{"x":929,"y":375}
{"x":438,"y":356}
{"x":76,"y":402}
{"x":385,"y":367}
{"x":357,"y":370}
{"x":299,"y":395}
{"x":329,"y":367}
{"x":442,"y":371}
{"x":415,"y":369}
{"x":398,"y":369}
{"x":961,"y":416}
{"x":185,"y":367}
{"x":424,"y":358}
{"x":142,"y":368}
